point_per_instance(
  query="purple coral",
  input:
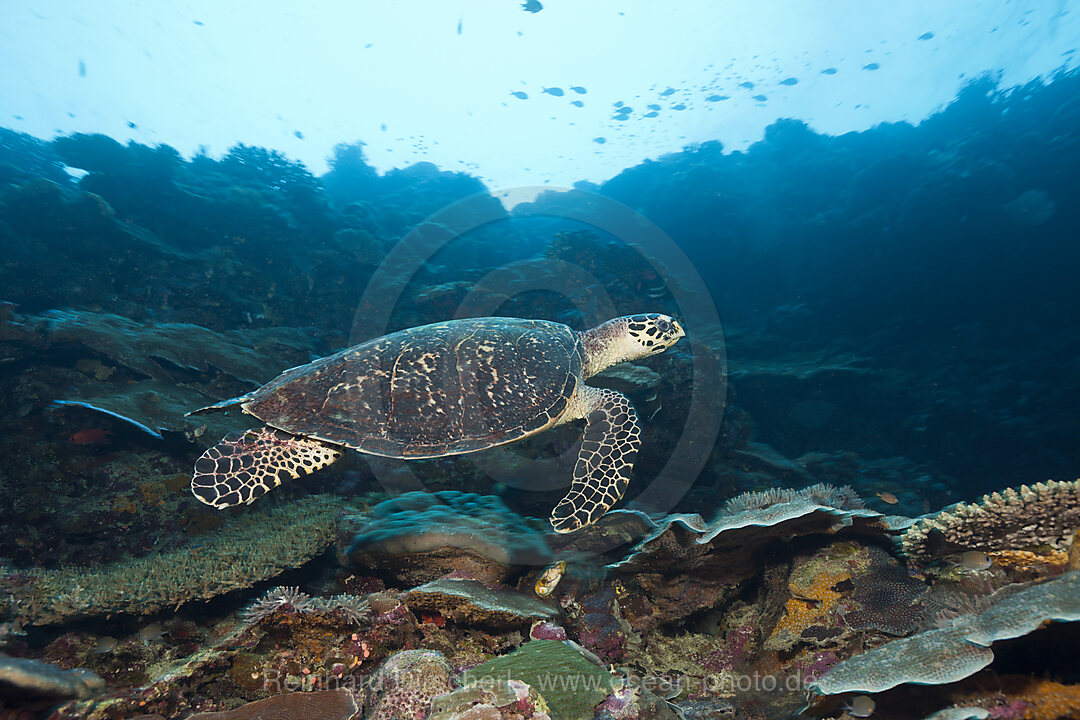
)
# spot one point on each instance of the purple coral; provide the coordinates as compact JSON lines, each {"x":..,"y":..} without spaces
{"x":598,"y":629}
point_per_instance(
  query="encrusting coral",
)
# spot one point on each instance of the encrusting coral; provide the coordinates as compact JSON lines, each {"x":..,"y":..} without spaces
{"x":1043,"y":514}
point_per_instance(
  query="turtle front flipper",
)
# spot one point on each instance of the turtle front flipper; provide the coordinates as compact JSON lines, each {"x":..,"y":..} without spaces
{"x":602,"y":471}
{"x":245,"y":466}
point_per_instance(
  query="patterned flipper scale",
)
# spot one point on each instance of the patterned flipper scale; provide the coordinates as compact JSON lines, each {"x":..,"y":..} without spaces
{"x":246,"y":465}
{"x":602,"y":471}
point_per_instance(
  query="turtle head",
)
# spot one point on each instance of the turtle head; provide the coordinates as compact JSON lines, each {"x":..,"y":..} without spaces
{"x":629,"y":338}
{"x":652,"y":333}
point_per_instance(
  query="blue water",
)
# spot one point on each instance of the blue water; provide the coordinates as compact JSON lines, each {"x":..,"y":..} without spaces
{"x":891,"y":308}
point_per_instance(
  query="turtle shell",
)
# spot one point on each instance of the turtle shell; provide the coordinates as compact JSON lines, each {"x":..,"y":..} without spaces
{"x":442,"y":389}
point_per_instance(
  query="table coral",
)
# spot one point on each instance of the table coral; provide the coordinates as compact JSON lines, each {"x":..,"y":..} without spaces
{"x":256,"y":546}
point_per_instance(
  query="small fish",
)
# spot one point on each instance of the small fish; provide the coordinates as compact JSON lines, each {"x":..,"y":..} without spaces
{"x":669,"y":91}
{"x":888,"y":497}
{"x":577,"y":103}
{"x":556,"y":91}
{"x":973,"y":560}
{"x":520,"y":95}
{"x":578,"y":89}
{"x":860,"y":706}
{"x":716,"y":98}
{"x":90,"y":436}
{"x":545,"y":584}
{"x":531,"y":6}
{"x":104,"y":644}
{"x":871,"y":66}
{"x":926,"y":36}
{"x":459,"y":26}
{"x":599,"y":140}
{"x":760,"y":98}
{"x":789,"y":81}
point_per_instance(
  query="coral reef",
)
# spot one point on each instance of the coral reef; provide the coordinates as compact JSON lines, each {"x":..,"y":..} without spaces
{"x":256,"y":546}
{"x":1043,"y":514}
{"x":729,"y":549}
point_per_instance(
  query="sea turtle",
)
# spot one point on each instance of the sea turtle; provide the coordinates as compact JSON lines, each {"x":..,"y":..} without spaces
{"x":445,"y":389}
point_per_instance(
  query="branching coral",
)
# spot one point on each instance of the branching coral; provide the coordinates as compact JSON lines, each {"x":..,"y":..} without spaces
{"x":291,"y":599}
{"x":279,"y":598}
{"x":1043,"y":514}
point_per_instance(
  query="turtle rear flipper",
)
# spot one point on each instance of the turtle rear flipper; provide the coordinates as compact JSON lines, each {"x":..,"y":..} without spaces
{"x":602,"y":471}
{"x":244,"y":466}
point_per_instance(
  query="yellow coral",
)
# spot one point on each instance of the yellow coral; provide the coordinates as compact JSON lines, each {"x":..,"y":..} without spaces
{"x":1046,"y":699}
{"x":809,"y":604}
{"x":1027,"y":560}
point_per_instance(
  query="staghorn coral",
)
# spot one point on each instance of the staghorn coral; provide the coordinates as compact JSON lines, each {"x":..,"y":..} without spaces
{"x":1043,"y":514}
{"x":258,"y":545}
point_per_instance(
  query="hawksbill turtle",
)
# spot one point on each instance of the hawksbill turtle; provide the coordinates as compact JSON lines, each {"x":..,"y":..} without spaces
{"x":445,"y":389}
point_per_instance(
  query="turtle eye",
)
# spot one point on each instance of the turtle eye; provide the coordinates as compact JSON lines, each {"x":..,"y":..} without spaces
{"x":663,"y":325}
